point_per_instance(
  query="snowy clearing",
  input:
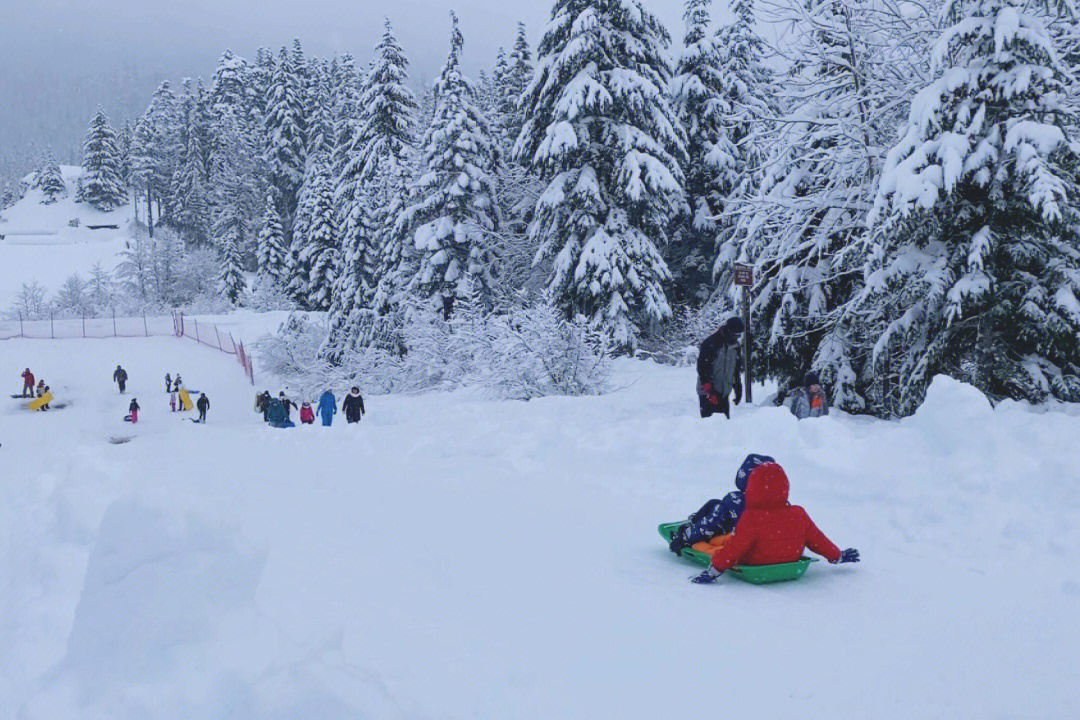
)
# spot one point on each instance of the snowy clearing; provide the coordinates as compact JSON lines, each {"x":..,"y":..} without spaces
{"x":458,"y":557}
{"x":39,"y":244}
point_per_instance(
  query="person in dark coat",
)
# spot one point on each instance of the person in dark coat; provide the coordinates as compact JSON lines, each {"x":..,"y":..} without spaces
{"x":288,"y":404}
{"x":120,"y":378}
{"x":327,"y":408}
{"x":719,"y":369}
{"x":202,"y":405}
{"x":177,"y":383}
{"x":717,"y":517}
{"x":28,"y":383}
{"x":262,"y":403}
{"x":771,"y":530}
{"x":133,"y":411}
{"x":168,"y":382}
{"x":353,"y":406}
{"x":809,"y":400}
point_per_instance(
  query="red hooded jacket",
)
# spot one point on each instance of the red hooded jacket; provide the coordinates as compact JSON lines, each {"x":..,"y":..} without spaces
{"x":771,"y":531}
{"x":28,"y":379}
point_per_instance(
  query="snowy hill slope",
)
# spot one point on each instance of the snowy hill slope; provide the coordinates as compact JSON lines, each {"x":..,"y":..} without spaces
{"x":39,"y":244}
{"x":456,"y":557}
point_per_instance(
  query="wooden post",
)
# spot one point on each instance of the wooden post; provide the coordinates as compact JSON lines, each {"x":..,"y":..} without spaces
{"x":84,"y":325}
{"x":114,"y":322}
{"x":22,"y":333}
{"x":146,"y":330}
{"x":52,"y":330}
{"x":744,"y":278}
{"x":746,"y":342}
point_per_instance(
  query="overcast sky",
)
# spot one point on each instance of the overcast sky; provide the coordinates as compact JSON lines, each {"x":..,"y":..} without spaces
{"x":60,"y":58}
{"x":185,"y":37}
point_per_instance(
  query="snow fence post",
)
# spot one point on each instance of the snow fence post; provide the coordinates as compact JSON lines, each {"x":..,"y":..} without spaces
{"x":114,"y":322}
{"x":52,"y":330}
{"x":84,"y":326}
{"x":22,"y":333}
{"x":218,"y":335}
{"x":196,"y":329}
{"x":146,"y":330}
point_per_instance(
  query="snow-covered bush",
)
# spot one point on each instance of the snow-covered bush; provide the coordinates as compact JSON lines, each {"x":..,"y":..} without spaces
{"x":521,"y":354}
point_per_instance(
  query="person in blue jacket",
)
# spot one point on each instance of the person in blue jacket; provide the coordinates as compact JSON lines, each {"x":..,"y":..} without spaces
{"x":327,"y":408}
{"x":717,"y":517}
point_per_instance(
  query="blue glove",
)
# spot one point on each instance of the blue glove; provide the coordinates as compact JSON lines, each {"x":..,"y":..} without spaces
{"x":709,"y":576}
{"x":849,"y":555}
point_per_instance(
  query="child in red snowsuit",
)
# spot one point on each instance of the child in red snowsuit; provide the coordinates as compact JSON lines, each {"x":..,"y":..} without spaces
{"x":770,"y":530}
{"x":307,"y":415}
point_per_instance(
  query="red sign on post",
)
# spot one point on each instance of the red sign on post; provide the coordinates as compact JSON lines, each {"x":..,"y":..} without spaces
{"x":744,"y":275}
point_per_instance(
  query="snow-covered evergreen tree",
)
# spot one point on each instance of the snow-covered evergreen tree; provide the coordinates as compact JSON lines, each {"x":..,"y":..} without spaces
{"x":801,"y":220}
{"x":453,"y":208}
{"x":231,"y":281}
{"x":696,"y":99}
{"x":975,"y":269}
{"x":318,"y":258}
{"x":603,"y":134}
{"x":519,"y":72}
{"x":49,"y":178}
{"x":159,"y":147}
{"x":272,"y":253}
{"x":124,"y":141}
{"x":285,"y":152}
{"x":101,"y":184}
{"x":190,"y":210}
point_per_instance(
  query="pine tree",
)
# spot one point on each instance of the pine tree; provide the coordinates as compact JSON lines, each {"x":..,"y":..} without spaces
{"x":160,"y":147}
{"x":516,"y":79}
{"x":712,"y":170}
{"x":272,"y":253}
{"x":453,"y":209}
{"x":229,"y":89}
{"x":601,"y":131}
{"x":190,"y":208}
{"x":231,"y":282}
{"x":125,"y":141}
{"x":285,"y":137}
{"x":49,"y":179}
{"x":974,"y":270}
{"x":800,"y":220}
{"x":101,"y":184}
{"x":319,"y":256}
{"x":372,"y":166}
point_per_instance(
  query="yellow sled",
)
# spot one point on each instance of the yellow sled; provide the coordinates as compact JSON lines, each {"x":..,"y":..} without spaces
{"x":185,"y":401}
{"x":41,"y":401}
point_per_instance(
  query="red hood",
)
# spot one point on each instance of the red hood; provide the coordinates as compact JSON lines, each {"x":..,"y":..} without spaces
{"x":767,"y":487}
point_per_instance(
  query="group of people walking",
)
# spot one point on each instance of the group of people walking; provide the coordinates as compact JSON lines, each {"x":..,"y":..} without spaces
{"x":277,"y":411}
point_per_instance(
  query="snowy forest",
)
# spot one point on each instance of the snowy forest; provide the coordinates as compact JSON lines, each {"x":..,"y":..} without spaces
{"x":902,"y":177}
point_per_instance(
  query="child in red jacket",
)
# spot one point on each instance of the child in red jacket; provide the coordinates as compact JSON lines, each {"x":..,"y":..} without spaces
{"x":307,"y":415}
{"x":770,"y":530}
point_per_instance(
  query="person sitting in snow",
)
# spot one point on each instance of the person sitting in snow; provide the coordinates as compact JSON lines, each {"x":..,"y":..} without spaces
{"x":28,"y":383}
{"x":809,"y":400}
{"x":771,"y":530}
{"x":719,"y":369}
{"x":717,"y":518}
{"x":307,"y":415}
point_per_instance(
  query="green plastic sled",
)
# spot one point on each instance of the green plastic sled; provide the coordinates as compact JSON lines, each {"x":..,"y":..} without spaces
{"x":756,"y":574}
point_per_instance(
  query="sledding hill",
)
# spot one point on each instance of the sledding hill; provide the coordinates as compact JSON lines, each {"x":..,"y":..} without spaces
{"x":39,"y":243}
{"x":455,"y":557}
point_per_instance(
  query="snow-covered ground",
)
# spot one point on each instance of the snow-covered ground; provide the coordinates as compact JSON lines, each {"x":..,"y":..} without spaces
{"x":458,"y":557}
{"x":40,"y":245}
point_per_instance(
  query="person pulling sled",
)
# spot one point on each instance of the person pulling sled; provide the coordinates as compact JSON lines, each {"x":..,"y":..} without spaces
{"x":133,"y":411}
{"x":719,"y":369}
